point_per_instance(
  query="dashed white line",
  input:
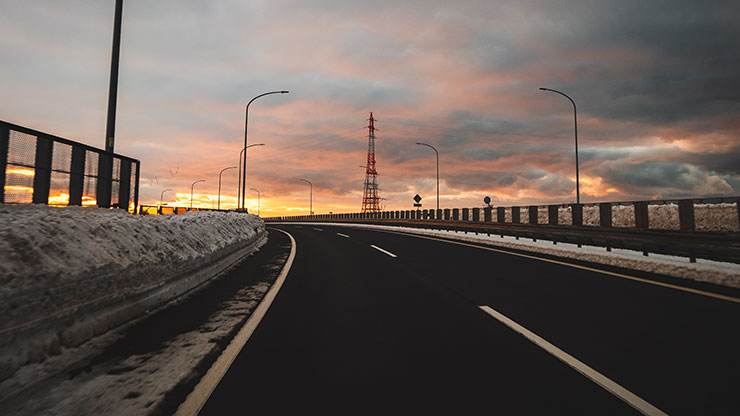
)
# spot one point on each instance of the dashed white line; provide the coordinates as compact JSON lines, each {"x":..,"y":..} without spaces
{"x":318,"y":229}
{"x":383,"y":251}
{"x":598,"y":378}
{"x":343,"y":235}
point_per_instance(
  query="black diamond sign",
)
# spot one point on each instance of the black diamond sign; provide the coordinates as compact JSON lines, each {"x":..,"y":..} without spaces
{"x":417,"y":198}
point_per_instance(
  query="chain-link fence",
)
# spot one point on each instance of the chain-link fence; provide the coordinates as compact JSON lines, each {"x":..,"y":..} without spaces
{"x":39,"y":168}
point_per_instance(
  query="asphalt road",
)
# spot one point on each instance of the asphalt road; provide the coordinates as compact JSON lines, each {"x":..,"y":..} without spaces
{"x":355,"y":330}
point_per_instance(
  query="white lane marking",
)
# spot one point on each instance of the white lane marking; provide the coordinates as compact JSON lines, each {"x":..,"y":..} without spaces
{"x":343,"y":235}
{"x":203,"y":390}
{"x":576,"y":266}
{"x":383,"y":251}
{"x":598,"y":378}
{"x":318,"y":229}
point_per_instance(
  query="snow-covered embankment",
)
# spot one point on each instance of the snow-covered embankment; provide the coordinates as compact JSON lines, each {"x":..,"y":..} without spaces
{"x":67,"y":274}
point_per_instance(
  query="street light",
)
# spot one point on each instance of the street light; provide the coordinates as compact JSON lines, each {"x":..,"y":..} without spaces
{"x":258,"y":200}
{"x":310,"y":206}
{"x":219,"y":184}
{"x":191,"y":191}
{"x":246,"y":122}
{"x":575,"y":123}
{"x":162,"y":196}
{"x":239,"y":185}
{"x":437,"y":153}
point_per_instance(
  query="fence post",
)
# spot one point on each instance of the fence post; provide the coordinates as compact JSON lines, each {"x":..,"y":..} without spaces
{"x":516,"y":215}
{"x":686,"y":214}
{"x":641,"y":215}
{"x":77,"y":175}
{"x":577,"y":214}
{"x":456,"y":214}
{"x":4,"y":140}
{"x":105,"y":174}
{"x":476,"y":214}
{"x":124,"y":183}
{"x":487,"y":214}
{"x":552,"y":214}
{"x":42,"y":177}
{"x":426,"y":214}
{"x":533,"y":212}
{"x":466,"y":214}
{"x":605,"y":214}
{"x":439,"y":214}
{"x":500,"y":215}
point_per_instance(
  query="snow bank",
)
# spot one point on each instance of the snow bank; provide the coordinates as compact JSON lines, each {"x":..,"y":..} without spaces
{"x":67,"y":274}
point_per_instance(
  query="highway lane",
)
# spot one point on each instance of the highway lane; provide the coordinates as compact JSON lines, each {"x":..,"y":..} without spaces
{"x":355,"y":329}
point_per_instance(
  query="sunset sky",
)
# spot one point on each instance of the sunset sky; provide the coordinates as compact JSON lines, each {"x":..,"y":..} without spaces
{"x":657,"y":84}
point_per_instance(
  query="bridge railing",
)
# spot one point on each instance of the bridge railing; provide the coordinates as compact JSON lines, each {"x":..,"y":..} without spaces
{"x":694,"y":214}
{"x":41,"y":168}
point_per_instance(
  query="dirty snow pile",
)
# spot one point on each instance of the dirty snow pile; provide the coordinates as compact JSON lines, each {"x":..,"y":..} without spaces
{"x":54,"y":260}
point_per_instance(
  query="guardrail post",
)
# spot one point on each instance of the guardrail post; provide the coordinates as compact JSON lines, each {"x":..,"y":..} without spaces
{"x":4,"y":140}
{"x":641,"y":215}
{"x":439,"y":214}
{"x":500,"y":215}
{"x":447,"y":214}
{"x":552,"y":214}
{"x":533,"y":212}
{"x":686,"y":214}
{"x":516,"y":215}
{"x":466,"y":214}
{"x":426,"y":214}
{"x":605,"y":214}
{"x":487,"y":214}
{"x":476,"y":214}
{"x":577,"y":214}
{"x":456,"y":214}
{"x":42,"y":177}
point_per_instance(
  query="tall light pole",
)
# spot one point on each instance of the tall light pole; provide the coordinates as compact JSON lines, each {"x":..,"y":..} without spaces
{"x":191,"y":191}
{"x":575,"y":124}
{"x":310,"y":206}
{"x":219,"y":184}
{"x":436,"y":153}
{"x":161,"y":196}
{"x":258,"y":200}
{"x":246,"y":123}
{"x":105,"y":164}
{"x":239,"y":186}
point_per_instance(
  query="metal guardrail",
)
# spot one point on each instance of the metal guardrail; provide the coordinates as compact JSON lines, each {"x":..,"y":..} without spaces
{"x":167,"y":209}
{"x":684,"y":240}
{"x":41,"y":168}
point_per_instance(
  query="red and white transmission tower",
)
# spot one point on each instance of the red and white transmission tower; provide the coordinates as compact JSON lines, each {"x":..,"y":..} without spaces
{"x":370,"y":198}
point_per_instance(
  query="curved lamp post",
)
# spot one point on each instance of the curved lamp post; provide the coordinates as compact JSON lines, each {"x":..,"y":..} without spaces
{"x":575,"y":123}
{"x":437,"y":153}
{"x":310,"y":206}
{"x":191,"y":191}
{"x":258,"y":200}
{"x":219,"y":184}
{"x":246,"y":123}
{"x":162,"y":196}
{"x":239,"y":186}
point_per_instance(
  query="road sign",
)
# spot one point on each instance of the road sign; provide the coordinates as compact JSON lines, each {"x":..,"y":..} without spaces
{"x":487,"y":200}
{"x":417,"y":198}
{"x":417,"y":205}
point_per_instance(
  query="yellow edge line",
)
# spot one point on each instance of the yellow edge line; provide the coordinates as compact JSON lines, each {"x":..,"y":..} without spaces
{"x":576,"y":266}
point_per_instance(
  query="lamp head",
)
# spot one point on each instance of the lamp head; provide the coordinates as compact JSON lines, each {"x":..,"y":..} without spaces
{"x":543,"y":89}
{"x":284,"y":92}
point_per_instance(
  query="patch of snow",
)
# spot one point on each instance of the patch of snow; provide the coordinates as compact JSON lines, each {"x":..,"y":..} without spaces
{"x":56,"y":262}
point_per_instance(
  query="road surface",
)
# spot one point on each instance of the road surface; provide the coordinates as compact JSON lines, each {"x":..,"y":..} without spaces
{"x":378,"y":322}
